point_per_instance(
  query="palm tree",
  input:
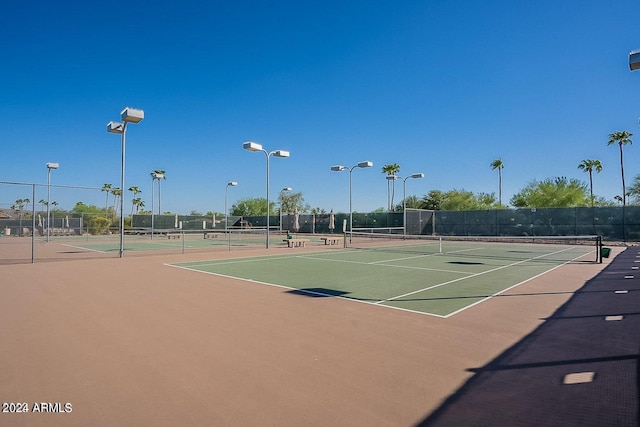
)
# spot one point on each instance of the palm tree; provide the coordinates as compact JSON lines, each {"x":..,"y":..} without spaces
{"x":135,"y":190}
{"x":590,"y":166}
{"x":107,"y":188}
{"x":391,"y":170}
{"x":43,"y":203}
{"x":18,"y":207}
{"x":116,"y":193}
{"x":621,"y":138}
{"x":498,"y":164}
{"x":158,"y":174}
{"x":138,"y":203}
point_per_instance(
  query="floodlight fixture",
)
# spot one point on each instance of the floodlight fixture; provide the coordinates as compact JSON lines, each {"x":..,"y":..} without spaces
{"x":417,"y":175}
{"x":366,"y":164}
{"x":115,"y":127}
{"x":232,"y":184}
{"x":286,"y":189}
{"x":252,"y":146}
{"x":131,"y":115}
{"x":53,"y":165}
{"x":281,"y":153}
{"x":634,"y":60}
{"x":338,"y":168}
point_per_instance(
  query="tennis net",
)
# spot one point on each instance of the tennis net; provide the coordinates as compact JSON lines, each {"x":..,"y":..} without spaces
{"x":558,"y":248}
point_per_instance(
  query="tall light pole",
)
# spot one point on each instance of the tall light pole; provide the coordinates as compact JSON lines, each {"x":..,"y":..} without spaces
{"x":404,"y":199}
{"x":254,"y":146}
{"x":128,"y":115}
{"x":49,"y":167}
{"x":339,"y":168}
{"x":284,"y":190}
{"x":158,"y":176}
{"x":229,"y":184}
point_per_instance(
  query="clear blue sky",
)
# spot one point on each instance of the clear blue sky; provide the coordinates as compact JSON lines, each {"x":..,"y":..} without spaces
{"x":439,"y":87}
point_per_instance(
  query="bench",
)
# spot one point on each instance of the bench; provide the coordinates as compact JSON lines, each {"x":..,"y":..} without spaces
{"x":331,"y":240}
{"x":292,"y":243}
{"x":210,"y":235}
{"x":173,"y":235}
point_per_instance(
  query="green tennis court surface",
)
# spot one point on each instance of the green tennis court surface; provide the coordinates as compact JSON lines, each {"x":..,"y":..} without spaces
{"x":422,"y":277}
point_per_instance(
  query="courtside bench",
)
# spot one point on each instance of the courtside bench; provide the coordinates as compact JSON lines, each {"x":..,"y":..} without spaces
{"x":293,"y":243}
{"x":331,"y":240}
{"x":173,"y":235}
{"x":211,"y":235}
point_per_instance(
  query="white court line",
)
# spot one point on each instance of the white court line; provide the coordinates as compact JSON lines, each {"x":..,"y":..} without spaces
{"x":376,"y":263}
{"x":475,"y":275}
{"x":426,"y":255}
{"x":305,"y":291}
{"x":195,"y":268}
{"x":82,"y":247}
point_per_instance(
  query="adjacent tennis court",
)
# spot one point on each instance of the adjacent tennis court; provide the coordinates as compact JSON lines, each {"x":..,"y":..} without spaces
{"x":170,"y":240}
{"x":426,"y":276}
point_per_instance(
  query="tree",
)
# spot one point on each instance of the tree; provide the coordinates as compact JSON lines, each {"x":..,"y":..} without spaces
{"x":138,"y":203}
{"x":289,"y":202}
{"x":135,"y":190}
{"x":318,"y":211}
{"x":552,"y":193}
{"x":457,"y":200}
{"x":498,"y":164}
{"x":19,"y":208}
{"x":158,"y":174}
{"x":107,"y":188}
{"x":621,"y":138}
{"x":411,"y":202}
{"x":43,"y":203}
{"x":391,"y":170}
{"x":116,"y":193}
{"x":94,"y":217}
{"x":433,"y":200}
{"x":590,"y":166}
{"x":634,"y":190}
{"x":463,"y":200}
{"x":251,"y":207}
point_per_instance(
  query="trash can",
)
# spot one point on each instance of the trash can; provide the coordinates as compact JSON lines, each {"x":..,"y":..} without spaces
{"x":604,"y":252}
{"x":7,"y":231}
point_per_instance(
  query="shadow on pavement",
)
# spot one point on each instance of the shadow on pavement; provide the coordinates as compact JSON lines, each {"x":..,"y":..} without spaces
{"x":579,"y":368}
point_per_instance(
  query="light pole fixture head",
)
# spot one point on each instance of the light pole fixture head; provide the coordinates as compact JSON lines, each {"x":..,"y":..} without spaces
{"x":338,"y":168}
{"x":131,"y":115}
{"x":417,"y":175}
{"x":287,"y":189}
{"x":232,"y":183}
{"x":252,"y":146}
{"x":115,"y":127}
{"x":281,"y":153}
{"x":366,"y":164}
{"x":53,"y":165}
{"x":634,"y":60}
{"x":391,"y":177}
